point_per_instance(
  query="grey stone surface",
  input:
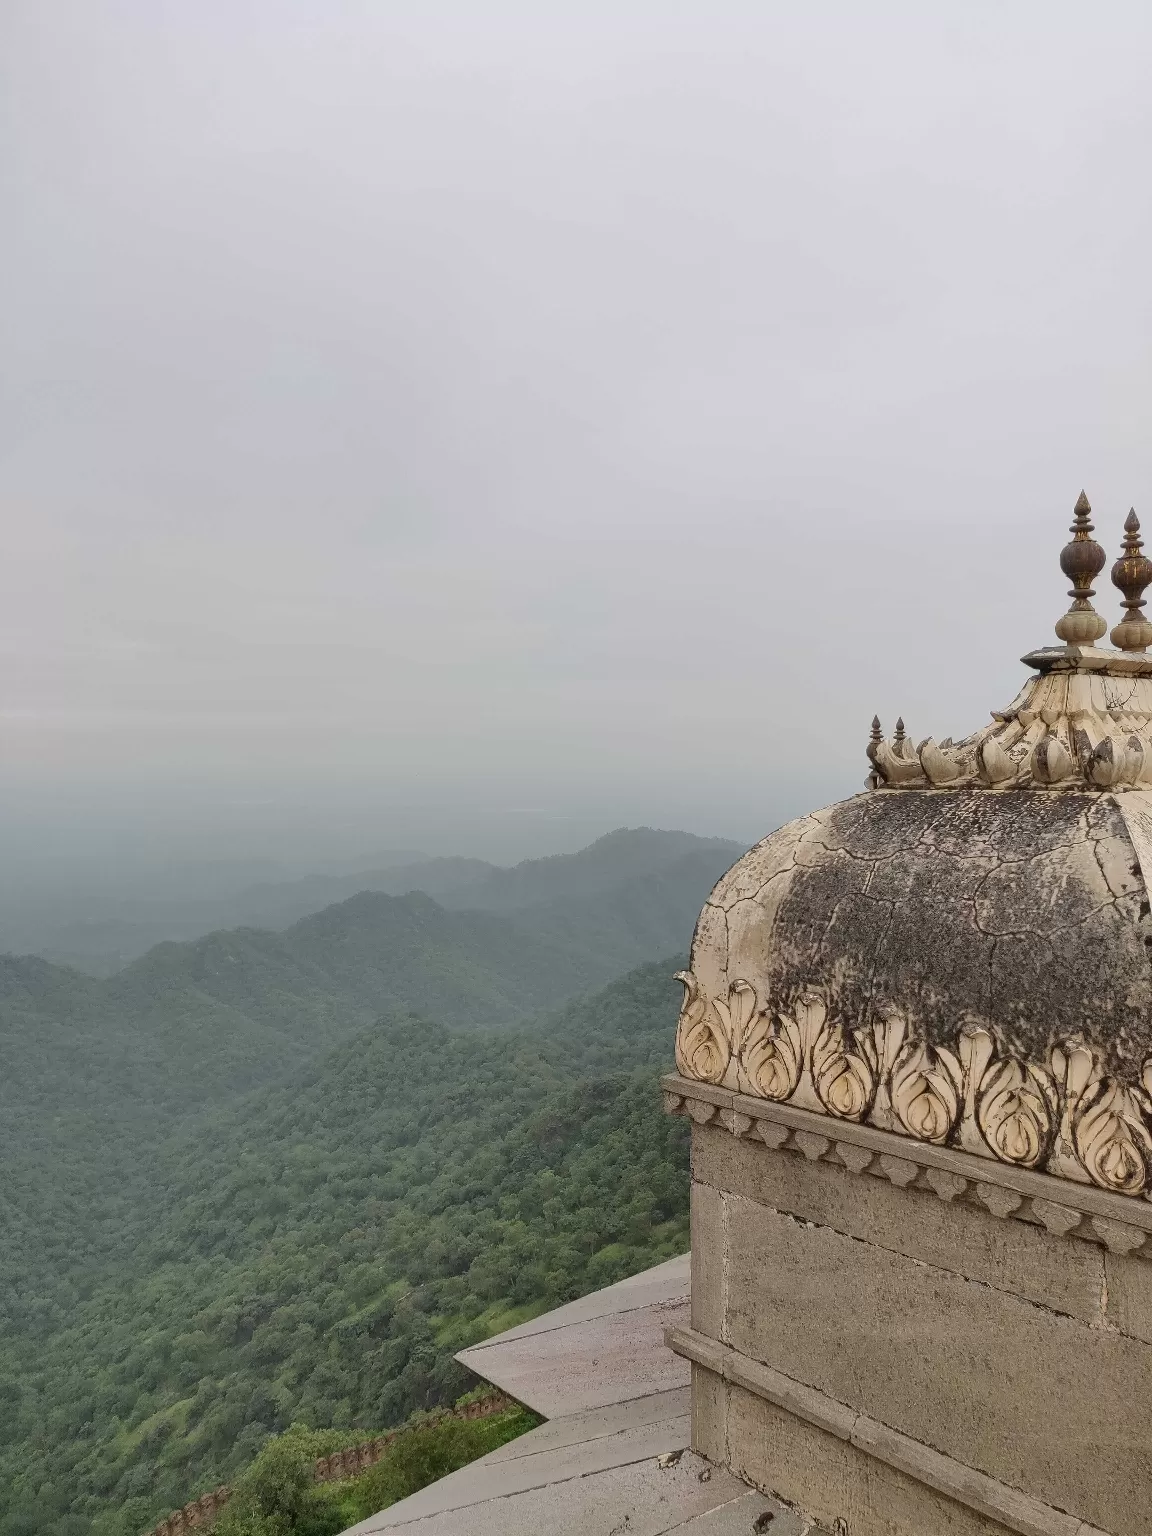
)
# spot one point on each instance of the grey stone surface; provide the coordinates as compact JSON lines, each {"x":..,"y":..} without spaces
{"x":709,"y":1411}
{"x":604,"y":1348}
{"x":1129,"y":1296}
{"x":637,"y":1497}
{"x":613,"y":1457}
{"x":707,"y":1254}
{"x":669,"y":1281}
{"x":586,"y":1451}
{"x":604,"y":1360}
{"x":600,"y":1424}
{"x":1025,"y":1260}
{"x":1014,"y":1390}
{"x":988,"y":1497}
{"x":1021,"y":910}
{"x":835,"y":1480}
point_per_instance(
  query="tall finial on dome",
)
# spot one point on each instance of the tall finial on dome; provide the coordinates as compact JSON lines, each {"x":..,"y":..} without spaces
{"x":1132,"y":573}
{"x":1081,"y":560}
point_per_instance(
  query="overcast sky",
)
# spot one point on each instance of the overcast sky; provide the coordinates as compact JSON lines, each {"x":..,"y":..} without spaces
{"x":478,"y":425}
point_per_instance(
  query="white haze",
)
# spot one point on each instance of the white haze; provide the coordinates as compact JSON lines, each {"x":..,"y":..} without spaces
{"x":473,"y":426}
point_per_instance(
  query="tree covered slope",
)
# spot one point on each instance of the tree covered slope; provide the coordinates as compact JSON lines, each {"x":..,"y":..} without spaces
{"x":316,"y":1249}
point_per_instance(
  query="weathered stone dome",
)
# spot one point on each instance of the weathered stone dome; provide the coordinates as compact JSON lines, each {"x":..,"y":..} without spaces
{"x":962,"y":953}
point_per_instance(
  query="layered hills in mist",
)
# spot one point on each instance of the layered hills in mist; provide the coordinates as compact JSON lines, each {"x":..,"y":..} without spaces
{"x":125,"y":928}
{"x":271,"y":1175}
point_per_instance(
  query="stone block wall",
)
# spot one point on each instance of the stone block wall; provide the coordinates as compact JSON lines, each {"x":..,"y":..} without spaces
{"x":911,"y":1341}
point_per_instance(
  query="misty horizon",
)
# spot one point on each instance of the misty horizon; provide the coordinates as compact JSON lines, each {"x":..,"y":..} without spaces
{"x":473,"y":432}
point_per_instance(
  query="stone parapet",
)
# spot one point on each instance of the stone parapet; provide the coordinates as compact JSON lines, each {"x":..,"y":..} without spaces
{"x":913,"y":1340}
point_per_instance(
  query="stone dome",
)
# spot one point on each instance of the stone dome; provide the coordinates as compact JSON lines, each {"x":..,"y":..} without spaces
{"x":963,"y":953}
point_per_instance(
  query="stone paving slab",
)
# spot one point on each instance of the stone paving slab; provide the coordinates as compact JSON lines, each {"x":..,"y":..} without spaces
{"x":618,"y":1405}
{"x":670,"y":1281}
{"x":640,"y":1498}
{"x":598,"y":1424}
{"x":606,"y":1348}
{"x":589,"y":1365}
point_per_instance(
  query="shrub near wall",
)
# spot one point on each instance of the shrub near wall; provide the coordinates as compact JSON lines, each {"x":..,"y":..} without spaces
{"x":291,"y":1490}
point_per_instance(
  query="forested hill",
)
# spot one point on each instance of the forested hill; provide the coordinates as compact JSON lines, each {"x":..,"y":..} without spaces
{"x":93,"y":1072}
{"x":248,"y":1064}
{"x":317,"y":1249}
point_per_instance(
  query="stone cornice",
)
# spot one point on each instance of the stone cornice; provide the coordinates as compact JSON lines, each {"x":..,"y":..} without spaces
{"x":1063,"y":1207}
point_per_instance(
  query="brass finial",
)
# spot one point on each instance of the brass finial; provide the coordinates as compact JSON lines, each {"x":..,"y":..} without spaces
{"x":875,"y":779}
{"x":1081,"y":560}
{"x":875,"y":739}
{"x":1132,"y":573}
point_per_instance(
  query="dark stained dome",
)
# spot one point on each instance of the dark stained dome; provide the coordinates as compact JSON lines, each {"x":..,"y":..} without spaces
{"x":962,"y":954}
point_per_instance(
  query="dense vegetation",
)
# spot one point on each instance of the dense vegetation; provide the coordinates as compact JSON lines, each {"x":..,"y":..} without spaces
{"x":312,"y":1251}
{"x":278,"y":1495}
{"x":96,"y":1074}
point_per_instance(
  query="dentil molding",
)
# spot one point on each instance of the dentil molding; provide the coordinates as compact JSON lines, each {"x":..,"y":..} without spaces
{"x":1006,"y":1190}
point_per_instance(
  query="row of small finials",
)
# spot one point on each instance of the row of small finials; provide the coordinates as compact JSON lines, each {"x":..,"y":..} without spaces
{"x":1082,"y":560}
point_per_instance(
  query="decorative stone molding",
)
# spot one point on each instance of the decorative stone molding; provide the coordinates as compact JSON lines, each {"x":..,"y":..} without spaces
{"x":1011,"y":1508}
{"x":1084,"y":722}
{"x":1066,"y":1116}
{"x":1064,"y":1208}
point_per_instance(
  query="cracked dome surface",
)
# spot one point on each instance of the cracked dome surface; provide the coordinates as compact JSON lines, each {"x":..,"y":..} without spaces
{"x":1025,"y":911}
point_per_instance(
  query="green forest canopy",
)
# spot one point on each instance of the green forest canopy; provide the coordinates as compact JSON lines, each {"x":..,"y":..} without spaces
{"x":316,"y":1250}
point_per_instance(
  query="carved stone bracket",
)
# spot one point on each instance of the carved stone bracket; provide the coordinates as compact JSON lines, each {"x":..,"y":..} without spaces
{"x":1008,"y":1191}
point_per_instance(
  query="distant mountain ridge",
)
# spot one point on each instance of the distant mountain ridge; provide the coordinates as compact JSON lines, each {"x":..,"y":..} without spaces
{"x":94,"y":1071}
{"x":103,"y":947}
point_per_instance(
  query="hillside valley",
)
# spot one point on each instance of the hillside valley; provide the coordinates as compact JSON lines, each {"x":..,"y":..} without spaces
{"x":318,"y":1248}
{"x":277,"y":1175}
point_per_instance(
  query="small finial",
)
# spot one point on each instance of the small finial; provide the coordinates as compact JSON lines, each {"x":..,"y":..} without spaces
{"x":1132,"y":573}
{"x":898,"y":738}
{"x":1081,"y":560}
{"x":875,"y":739}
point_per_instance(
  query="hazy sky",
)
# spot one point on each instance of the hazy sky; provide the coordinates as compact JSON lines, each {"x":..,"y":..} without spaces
{"x":488,"y":423}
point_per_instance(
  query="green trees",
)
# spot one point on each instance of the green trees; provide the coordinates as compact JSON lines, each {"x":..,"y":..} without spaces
{"x":315,"y":1252}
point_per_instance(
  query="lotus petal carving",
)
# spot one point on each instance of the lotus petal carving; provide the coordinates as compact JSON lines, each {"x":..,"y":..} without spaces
{"x":844,"y":1077}
{"x":1016,"y":1112}
{"x":1073,"y":1120}
{"x":702,"y":1045}
{"x":736,"y":1012}
{"x":773,"y":1057}
{"x":1112,"y":1140}
{"x":919,"y":1090}
{"x":926,"y":1093}
{"x":1104,"y":1127}
{"x":940,"y":766}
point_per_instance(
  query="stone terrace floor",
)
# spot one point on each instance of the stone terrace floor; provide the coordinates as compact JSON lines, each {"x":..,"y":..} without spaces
{"x":612,"y":1458}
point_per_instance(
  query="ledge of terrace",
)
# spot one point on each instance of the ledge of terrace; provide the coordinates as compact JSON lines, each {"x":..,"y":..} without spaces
{"x":614,"y":1454}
